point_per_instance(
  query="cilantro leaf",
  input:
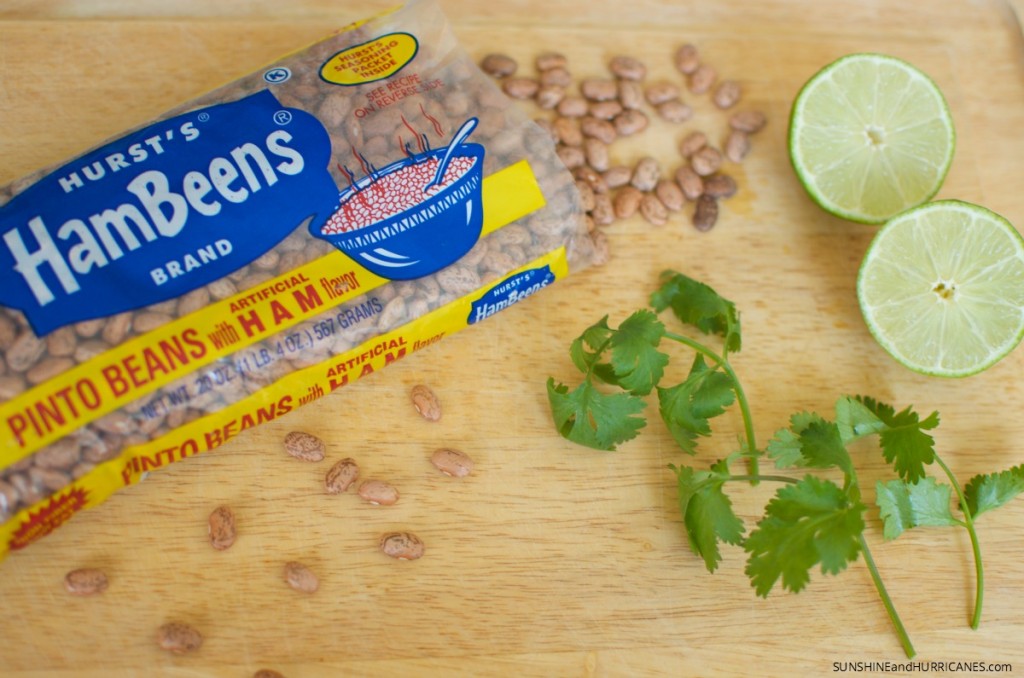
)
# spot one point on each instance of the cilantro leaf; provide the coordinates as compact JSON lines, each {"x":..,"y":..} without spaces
{"x":687,"y":407}
{"x":707,"y":512}
{"x":596,"y":337}
{"x":635,"y":358}
{"x":695,"y":303}
{"x":904,"y":442}
{"x":592,"y":418}
{"x":810,"y":442}
{"x":905,"y":505}
{"x":856,"y":420}
{"x":813,"y":521}
{"x":784,"y":447}
{"x":990,"y":491}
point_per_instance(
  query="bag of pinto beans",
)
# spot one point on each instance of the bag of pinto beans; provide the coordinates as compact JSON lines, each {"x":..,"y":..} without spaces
{"x":259,"y":247}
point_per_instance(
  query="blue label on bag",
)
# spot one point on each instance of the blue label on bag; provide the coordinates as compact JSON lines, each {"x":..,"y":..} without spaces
{"x":164,"y":210}
{"x":514,"y":288}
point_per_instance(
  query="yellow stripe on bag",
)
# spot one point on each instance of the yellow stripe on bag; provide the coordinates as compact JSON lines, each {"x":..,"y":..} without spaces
{"x":107,"y":382}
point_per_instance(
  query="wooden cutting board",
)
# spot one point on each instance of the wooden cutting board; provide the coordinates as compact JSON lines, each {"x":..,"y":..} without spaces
{"x":551,"y":559}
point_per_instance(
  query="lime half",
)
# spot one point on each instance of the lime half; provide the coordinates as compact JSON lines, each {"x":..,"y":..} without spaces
{"x":870,"y":136}
{"x":942,"y":288}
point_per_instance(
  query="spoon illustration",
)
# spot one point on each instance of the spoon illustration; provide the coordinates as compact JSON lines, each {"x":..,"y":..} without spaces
{"x":460,"y":136}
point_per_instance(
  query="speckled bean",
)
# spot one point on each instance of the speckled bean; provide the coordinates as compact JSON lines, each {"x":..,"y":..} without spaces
{"x":402,"y":545}
{"x":85,"y":581}
{"x":426,"y":402}
{"x":341,"y":476}
{"x":304,"y":446}
{"x":179,"y":638}
{"x":378,"y":493}
{"x":300,"y":577}
{"x":222,"y":528}
{"x":452,"y":462}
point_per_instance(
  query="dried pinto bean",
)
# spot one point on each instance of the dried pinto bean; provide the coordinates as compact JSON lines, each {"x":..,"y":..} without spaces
{"x":703,"y":79}
{"x":670,"y":195}
{"x":627,"y":68}
{"x":631,"y":122}
{"x":179,"y":638}
{"x":222,"y":528}
{"x":85,"y":581}
{"x":687,"y":59}
{"x":706,"y":213}
{"x":267,"y":673}
{"x":646,"y":174}
{"x":402,"y":545}
{"x":720,"y":185}
{"x":653,"y":210}
{"x":548,"y":60}
{"x":378,"y":493}
{"x":452,"y":462}
{"x":727,"y":94}
{"x":750,"y":122}
{"x":599,"y":89}
{"x":341,"y":476}
{"x":304,"y":446}
{"x":300,"y":577}
{"x":499,"y":65}
{"x":426,"y":402}
{"x":518,"y":87}
{"x":627,"y":201}
{"x":674,"y":111}
{"x":737,"y":145}
{"x":706,"y":161}
{"x":690,"y":182}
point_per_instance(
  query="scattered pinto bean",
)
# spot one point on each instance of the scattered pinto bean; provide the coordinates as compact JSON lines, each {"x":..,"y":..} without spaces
{"x":690,"y":182}
{"x":660,"y":92}
{"x":631,"y":122}
{"x":631,"y":94}
{"x":300,"y":577}
{"x":341,"y":476}
{"x":85,"y":581}
{"x":549,"y":60}
{"x":706,"y":213}
{"x":691,"y":143}
{"x":703,"y":79}
{"x":378,"y":493}
{"x":627,"y":68}
{"x":727,"y":94}
{"x":402,"y":545}
{"x":548,"y":96}
{"x":670,"y":194}
{"x":720,"y":186}
{"x":558,"y":76}
{"x":304,"y":446}
{"x":599,"y":129}
{"x":674,"y":111}
{"x":627,"y":201}
{"x":646,"y":174}
{"x":617,"y":176}
{"x":222,"y":528}
{"x":519,"y":87}
{"x":179,"y":638}
{"x":750,"y":122}
{"x":737,"y":145}
{"x":452,"y":462}
{"x":653,"y":210}
{"x":267,"y":673}
{"x":603,"y":213}
{"x":599,"y":89}
{"x":426,"y":402}
{"x":499,"y":65}
{"x":706,"y":161}
{"x":687,"y":59}
{"x":572,"y":106}
{"x":606,"y":110}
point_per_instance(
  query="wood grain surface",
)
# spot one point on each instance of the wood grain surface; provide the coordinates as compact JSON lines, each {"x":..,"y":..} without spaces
{"x":550,"y":559}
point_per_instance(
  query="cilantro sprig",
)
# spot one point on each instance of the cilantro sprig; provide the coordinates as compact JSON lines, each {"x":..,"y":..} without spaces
{"x":818,"y":517}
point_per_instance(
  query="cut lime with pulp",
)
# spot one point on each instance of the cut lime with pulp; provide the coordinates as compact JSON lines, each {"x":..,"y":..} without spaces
{"x":870,"y":136}
{"x":942,"y":288}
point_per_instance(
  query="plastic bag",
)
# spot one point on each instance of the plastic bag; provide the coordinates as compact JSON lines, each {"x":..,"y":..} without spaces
{"x":257,"y":248}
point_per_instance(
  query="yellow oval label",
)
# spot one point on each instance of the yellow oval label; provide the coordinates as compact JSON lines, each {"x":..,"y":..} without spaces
{"x":370,"y":61}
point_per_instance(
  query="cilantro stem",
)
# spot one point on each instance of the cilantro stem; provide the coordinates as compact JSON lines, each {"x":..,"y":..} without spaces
{"x":908,"y":647}
{"x":758,"y":478}
{"x":968,"y":523}
{"x":741,"y":398}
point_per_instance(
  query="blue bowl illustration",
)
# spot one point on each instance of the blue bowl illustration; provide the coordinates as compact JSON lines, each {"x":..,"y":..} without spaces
{"x":424,"y":238}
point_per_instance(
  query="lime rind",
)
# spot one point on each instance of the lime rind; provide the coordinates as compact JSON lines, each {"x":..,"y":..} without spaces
{"x":941,"y":288}
{"x":870,"y":136}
